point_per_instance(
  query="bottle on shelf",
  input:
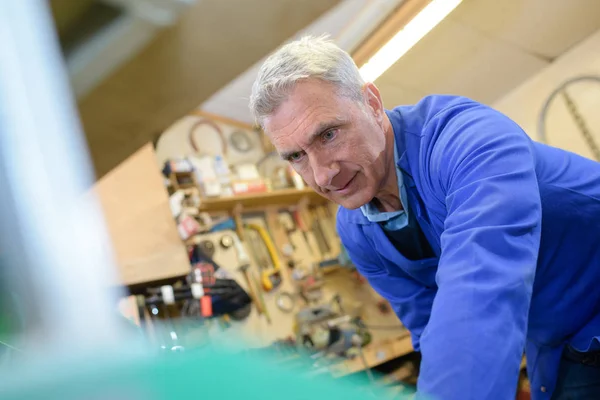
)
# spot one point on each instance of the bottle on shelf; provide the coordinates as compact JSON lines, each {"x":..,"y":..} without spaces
{"x":223,"y":175}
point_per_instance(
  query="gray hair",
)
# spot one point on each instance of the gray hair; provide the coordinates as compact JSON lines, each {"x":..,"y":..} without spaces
{"x":308,"y":57}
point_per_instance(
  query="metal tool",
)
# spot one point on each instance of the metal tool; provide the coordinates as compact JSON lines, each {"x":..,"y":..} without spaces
{"x":286,"y":222}
{"x":270,"y":277}
{"x":278,"y":233}
{"x":261,"y":300}
{"x":581,"y":124}
{"x":253,"y":296}
{"x":257,"y":248}
{"x":240,"y":141}
{"x":300,"y":218}
{"x":320,"y":236}
{"x":327,"y":223}
{"x":573,"y":110}
{"x":244,"y":261}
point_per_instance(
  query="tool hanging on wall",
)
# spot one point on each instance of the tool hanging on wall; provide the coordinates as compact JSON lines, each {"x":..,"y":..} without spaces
{"x":286,"y":222}
{"x":573,"y":110}
{"x":240,"y":141}
{"x":235,"y":302}
{"x":581,"y":124}
{"x":328,"y":329}
{"x":320,"y":236}
{"x":293,"y":218}
{"x":309,"y":288}
{"x":215,"y":127}
{"x":279,"y":234}
{"x":260,"y":297}
{"x":264,"y":250}
{"x":329,"y":229}
{"x":244,"y":262}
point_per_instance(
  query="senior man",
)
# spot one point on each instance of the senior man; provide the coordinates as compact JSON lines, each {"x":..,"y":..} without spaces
{"x":484,"y":242}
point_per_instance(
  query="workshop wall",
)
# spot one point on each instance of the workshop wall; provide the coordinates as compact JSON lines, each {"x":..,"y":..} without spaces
{"x":175,"y":142}
{"x":243,"y":144}
{"x":524,"y":103}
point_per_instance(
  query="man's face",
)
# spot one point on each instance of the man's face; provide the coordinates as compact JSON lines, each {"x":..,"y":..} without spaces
{"x":335,"y":143}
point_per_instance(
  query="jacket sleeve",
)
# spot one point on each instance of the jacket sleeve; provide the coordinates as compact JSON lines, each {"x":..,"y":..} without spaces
{"x":410,"y":301}
{"x":483,"y":165}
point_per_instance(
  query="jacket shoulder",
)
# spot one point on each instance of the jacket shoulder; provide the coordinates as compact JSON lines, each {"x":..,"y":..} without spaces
{"x":416,"y":117}
{"x":350,"y":231}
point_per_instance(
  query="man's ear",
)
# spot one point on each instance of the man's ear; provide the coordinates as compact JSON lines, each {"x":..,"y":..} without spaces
{"x":373,"y":101}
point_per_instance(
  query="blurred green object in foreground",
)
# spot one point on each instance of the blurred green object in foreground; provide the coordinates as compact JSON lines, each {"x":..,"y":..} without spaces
{"x":192,"y":374}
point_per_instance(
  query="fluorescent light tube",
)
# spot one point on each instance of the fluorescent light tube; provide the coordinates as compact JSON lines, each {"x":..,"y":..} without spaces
{"x":407,"y":37}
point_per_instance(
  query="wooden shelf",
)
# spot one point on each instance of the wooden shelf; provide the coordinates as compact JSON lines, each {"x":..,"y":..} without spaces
{"x":255,"y":200}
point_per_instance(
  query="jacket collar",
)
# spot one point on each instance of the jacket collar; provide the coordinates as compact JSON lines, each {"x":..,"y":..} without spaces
{"x":397,"y":122}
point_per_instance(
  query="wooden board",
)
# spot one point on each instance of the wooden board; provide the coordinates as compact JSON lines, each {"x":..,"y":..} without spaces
{"x":142,"y":229}
{"x":358,"y":298}
{"x":260,"y":200}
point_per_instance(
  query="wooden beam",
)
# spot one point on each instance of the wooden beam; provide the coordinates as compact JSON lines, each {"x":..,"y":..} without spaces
{"x":222,"y":119}
{"x":394,"y":23}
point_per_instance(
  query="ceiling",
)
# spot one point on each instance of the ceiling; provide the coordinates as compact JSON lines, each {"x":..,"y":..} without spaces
{"x":212,"y":42}
{"x":77,"y":21}
{"x":210,"y":55}
{"x":348,"y":24}
{"x":482,"y":50}
{"x":485,"y":48}
{"x":67,"y":14}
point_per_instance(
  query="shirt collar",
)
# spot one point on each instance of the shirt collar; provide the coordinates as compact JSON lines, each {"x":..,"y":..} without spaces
{"x":371,"y":212}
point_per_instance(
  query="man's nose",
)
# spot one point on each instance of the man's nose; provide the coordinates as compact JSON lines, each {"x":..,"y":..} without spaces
{"x":324,"y":170}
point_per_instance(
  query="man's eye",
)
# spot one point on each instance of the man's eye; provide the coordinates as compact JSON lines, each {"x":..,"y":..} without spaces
{"x":295,"y":156}
{"x":329,"y":135}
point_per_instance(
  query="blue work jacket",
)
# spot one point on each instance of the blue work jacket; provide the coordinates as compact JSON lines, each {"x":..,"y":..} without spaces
{"x":515,"y":228}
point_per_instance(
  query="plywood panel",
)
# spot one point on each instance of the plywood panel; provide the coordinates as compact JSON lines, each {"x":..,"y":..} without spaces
{"x":395,"y":94}
{"x":524,"y":103}
{"x":175,"y":141}
{"x":141,"y":226}
{"x":255,"y":331}
{"x":455,"y":59}
{"x":544,"y":27}
{"x":485,"y":48}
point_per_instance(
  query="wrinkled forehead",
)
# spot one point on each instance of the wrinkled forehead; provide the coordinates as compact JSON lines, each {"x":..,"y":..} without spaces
{"x":308,"y":105}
